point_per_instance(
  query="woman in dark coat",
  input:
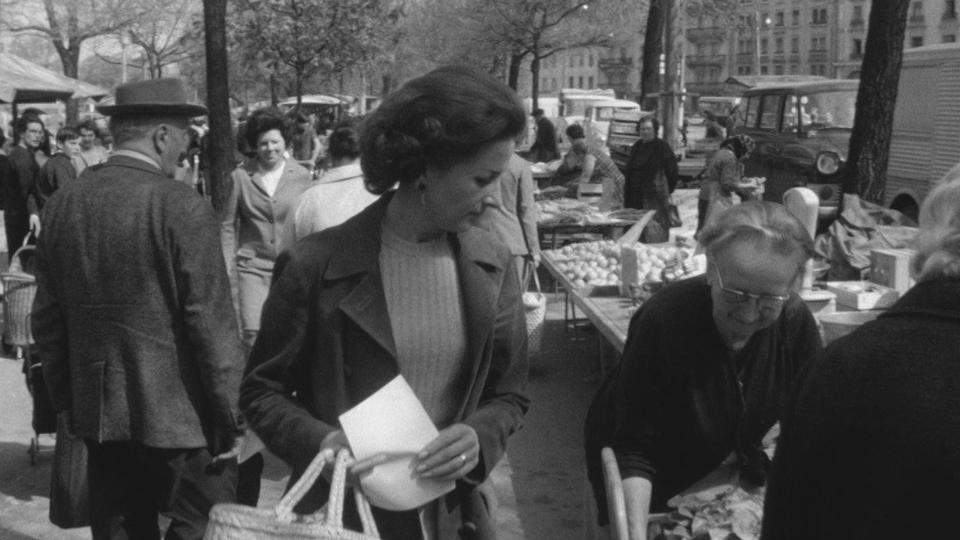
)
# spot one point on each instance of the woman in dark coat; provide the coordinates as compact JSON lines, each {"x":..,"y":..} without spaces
{"x":407,"y":287}
{"x":707,"y":365}
{"x":871,"y":445}
{"x":651,"y":177}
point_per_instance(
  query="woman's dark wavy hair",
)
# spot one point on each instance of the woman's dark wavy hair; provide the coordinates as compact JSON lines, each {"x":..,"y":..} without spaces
{"x":265,"y":119}
{"x":436,"y":120}
{"x":343,"y":142}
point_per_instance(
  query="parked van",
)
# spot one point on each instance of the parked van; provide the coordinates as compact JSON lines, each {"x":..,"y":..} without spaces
{"x":925,"y":143}
{"x":802,"y":131}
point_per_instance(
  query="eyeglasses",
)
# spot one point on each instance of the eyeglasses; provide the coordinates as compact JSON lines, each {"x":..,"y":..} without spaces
{"x":768,"y":304}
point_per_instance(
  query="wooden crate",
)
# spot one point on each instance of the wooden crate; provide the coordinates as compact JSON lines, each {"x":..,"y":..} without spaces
{"x":891,"y":268}
{"x":861,"y":295}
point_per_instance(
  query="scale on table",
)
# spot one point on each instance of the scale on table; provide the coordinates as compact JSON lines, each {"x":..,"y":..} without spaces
{"x":804,"y":204}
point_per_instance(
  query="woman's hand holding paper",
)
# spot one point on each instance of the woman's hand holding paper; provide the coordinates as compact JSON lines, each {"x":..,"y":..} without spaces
{"x":451,"y":456}
{"x":336,"y":440}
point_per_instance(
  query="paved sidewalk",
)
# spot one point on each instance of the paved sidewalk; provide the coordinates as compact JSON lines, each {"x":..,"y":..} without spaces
{"x":539,"y":484}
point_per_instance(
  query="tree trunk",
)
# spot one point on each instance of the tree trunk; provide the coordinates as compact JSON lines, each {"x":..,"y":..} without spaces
{"x":670,"y":97}
{"x":866,"y":167}
{"x":513,"y":70}
{"x":535,"y":82}
{"x":298,"y":82}
{"x":70,"y":62}
{"x":220,"y":139}
{"x":652,"y":47}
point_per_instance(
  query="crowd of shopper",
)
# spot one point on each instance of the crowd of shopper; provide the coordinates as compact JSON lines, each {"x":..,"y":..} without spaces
{"x":408,"y":256}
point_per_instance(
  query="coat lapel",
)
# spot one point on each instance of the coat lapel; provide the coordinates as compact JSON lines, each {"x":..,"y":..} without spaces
{"x":481,"y":273}
{"x":480,"y":276}
{"x":366,"y":303}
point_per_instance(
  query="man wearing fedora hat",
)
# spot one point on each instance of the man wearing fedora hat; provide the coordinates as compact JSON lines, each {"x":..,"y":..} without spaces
{"x":135,"y":327}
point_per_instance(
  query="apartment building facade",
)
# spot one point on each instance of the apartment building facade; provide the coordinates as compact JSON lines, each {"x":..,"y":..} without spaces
{"x":764,"y":37}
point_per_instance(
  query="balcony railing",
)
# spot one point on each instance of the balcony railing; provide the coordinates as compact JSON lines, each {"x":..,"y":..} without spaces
{"x":706,"y":60}
{"x":818,"y":56}
{"x":615,"y":64}
{"x":916,"y":19}
{"x":699,"y":35}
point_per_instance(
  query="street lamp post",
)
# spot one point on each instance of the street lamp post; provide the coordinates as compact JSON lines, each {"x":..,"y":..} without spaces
{"x":756,"y":36}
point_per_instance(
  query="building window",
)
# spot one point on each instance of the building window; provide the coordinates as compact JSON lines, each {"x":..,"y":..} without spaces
{"x":916,"y":10}
{"x":580,"y":82}
{"x":590,"y":59}
{"x":763,"y":70}
{"x":778,"y":47}
{"x":764,"y":45}
{"x":949,"y":38}
{"x":794,"y":69}
{"x":857,"y":48}
{"x":796,"y":17}
{"x":950,"y":10}
{"x":590,"y":81}
{"x":571,"y":83}
{"x":820,"y":16}
{"x":778,"y":69}
{"x":779,"y":18}
{"x":581,"y":59}
{"x":916,"y":41}
{"x":794,"y":45}
{"x":858,"y":13}
{"x":543,"y":83}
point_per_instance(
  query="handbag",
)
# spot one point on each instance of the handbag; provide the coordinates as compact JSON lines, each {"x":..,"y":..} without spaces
{"x":69,"y":487}
{"x":673,"y":213}
{"x":535,"y":309}
{"x":240,"y":522}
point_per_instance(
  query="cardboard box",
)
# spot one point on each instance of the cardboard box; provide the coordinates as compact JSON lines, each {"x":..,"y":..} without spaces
{"x":891,"y":268}
{"x":861,"y":295}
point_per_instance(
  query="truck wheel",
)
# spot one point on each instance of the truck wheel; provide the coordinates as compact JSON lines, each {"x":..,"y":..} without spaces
{"x":907,"y":206}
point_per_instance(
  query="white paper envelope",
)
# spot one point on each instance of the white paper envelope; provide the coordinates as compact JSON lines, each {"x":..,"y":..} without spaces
{"x":393,"y":421}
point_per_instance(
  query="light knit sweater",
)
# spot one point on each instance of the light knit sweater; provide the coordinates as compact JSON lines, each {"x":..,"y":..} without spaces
{"x":426,"y":314}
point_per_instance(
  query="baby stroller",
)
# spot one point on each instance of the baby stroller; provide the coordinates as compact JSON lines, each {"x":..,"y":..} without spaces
{"x":19,"y":290}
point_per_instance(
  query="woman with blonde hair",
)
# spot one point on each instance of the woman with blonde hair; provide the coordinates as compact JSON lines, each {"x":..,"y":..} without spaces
{"x":872,"y":437}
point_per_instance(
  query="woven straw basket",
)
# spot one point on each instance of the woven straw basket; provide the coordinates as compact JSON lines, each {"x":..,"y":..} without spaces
{"x":535,"y":307}
{"x":239,"y":522}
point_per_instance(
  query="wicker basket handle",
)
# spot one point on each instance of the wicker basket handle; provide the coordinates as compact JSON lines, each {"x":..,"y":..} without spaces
{"x":337,"y":490}
{"x":334,"y":506}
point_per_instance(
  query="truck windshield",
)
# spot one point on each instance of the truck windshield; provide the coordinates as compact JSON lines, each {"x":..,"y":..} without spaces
{"x":824,"y":110}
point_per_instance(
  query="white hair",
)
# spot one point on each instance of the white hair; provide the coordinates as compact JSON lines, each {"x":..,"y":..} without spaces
{"x":938,"y":240}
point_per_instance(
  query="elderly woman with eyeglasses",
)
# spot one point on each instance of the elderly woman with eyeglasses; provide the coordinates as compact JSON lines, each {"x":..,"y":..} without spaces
{"x":707,"y":364}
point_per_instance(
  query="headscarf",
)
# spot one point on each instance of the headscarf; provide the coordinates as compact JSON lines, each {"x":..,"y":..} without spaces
{"x":741,"y":145}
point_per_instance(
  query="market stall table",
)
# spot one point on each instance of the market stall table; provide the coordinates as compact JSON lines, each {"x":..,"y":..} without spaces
{"x":603,"y":307}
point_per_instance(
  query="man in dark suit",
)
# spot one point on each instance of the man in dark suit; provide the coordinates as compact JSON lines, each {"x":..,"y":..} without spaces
{"x":136,"y":329}
{"x":20,"y":213}
{"x":544,"y":148}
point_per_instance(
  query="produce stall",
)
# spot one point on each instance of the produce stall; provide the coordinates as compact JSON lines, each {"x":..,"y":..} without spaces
{"x":608,"y":281}
{"x":562,"y":217}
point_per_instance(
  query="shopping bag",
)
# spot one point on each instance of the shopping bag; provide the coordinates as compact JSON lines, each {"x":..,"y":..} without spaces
{"x":673,"y":214}
{"x":69,"y":488}
{"x":535,"y":309}
{"x":240,"y":522}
